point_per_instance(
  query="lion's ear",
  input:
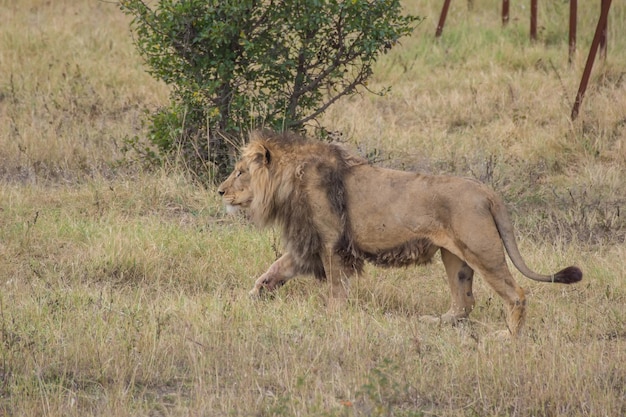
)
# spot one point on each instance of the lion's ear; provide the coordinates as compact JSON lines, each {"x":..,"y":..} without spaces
{"x":259,"y":154}
{"x":263,"y":156}
{"x":267,"y":157}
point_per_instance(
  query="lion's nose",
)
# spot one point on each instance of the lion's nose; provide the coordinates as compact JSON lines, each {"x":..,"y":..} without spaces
{"x":220,"y":192}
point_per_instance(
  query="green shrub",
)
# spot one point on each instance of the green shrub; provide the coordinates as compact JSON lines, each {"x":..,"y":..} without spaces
{"x":234,"y":65}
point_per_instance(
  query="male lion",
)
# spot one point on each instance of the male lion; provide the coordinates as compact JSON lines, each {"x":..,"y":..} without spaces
{"x":337,"y":211}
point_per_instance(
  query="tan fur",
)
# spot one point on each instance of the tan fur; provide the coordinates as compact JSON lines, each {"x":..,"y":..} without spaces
{"x":337,"y":211}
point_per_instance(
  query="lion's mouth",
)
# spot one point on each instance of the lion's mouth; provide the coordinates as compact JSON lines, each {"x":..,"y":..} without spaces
{"x":235,"y":206}
{"x":232,"y":209}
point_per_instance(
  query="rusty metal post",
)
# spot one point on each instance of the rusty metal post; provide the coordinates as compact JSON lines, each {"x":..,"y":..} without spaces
{"x":505,"y":12}
{"x":606,"y":4}
{"x":442,"y":18}
{"x":573,"y":6}
{"x":533,"y":20}
{"x":603,"y":36}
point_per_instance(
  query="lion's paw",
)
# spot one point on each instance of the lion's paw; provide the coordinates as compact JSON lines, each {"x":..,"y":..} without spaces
{"x":255,"y":293}
{"x":429,"y":319}
{"x":447,"y":319}
{"x":501,"y":336}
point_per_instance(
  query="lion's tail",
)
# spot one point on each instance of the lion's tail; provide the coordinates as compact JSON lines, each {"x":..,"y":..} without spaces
{"x":567,"y":275}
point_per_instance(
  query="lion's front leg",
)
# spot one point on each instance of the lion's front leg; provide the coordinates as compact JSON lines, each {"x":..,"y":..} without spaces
{"x":338,"y":275}
{"x":281,"y":271}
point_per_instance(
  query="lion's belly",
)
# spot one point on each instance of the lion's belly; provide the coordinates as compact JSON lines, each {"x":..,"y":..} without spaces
{"x":390,"y":242}
{"x":381,"y":233}
{"x":381,"y":237}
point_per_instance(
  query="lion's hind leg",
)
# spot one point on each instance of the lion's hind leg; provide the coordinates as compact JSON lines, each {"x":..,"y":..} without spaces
{"x":460,"y":280}
{"x":501,"y":280}
{"x":484,"y":253}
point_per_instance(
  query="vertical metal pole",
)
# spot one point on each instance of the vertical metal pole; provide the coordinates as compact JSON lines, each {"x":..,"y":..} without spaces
{"x":606,"y":4}
{"x":442,"y":18}
{"x":533,"y":20}
{"x":603,"y":36}
{"x":573,"y":5}
{"x":505,"y":12}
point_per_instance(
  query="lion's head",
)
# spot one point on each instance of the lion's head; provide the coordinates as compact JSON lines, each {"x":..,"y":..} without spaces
{"x":235,"y":190}
{"x":270,"y":178}
{"x":250,"y":185}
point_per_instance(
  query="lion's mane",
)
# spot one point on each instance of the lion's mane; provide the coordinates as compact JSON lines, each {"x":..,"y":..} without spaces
{"x":285,"y":169}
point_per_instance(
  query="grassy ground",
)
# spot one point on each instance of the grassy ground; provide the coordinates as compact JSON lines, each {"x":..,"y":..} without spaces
{"x":124,"y":291}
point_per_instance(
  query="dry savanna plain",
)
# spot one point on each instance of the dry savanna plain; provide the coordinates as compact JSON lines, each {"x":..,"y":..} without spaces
{"x":123,"y":287}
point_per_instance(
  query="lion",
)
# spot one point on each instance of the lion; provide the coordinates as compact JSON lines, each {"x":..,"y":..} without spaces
{"x":337,"y":211}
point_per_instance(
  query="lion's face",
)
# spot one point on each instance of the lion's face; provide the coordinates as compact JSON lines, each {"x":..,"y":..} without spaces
{"x":235,"y":190}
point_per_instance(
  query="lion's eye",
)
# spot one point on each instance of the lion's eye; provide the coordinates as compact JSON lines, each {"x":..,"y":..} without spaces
{"x":237,"y":174}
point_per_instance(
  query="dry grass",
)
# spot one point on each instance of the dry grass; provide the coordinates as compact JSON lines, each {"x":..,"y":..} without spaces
{"x":123,"y":292}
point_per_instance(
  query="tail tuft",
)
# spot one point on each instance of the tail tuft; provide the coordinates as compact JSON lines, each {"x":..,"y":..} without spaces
{"x":568,"y":275}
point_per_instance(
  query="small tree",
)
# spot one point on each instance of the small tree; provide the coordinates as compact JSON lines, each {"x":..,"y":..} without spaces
{"x":234,"y":65}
